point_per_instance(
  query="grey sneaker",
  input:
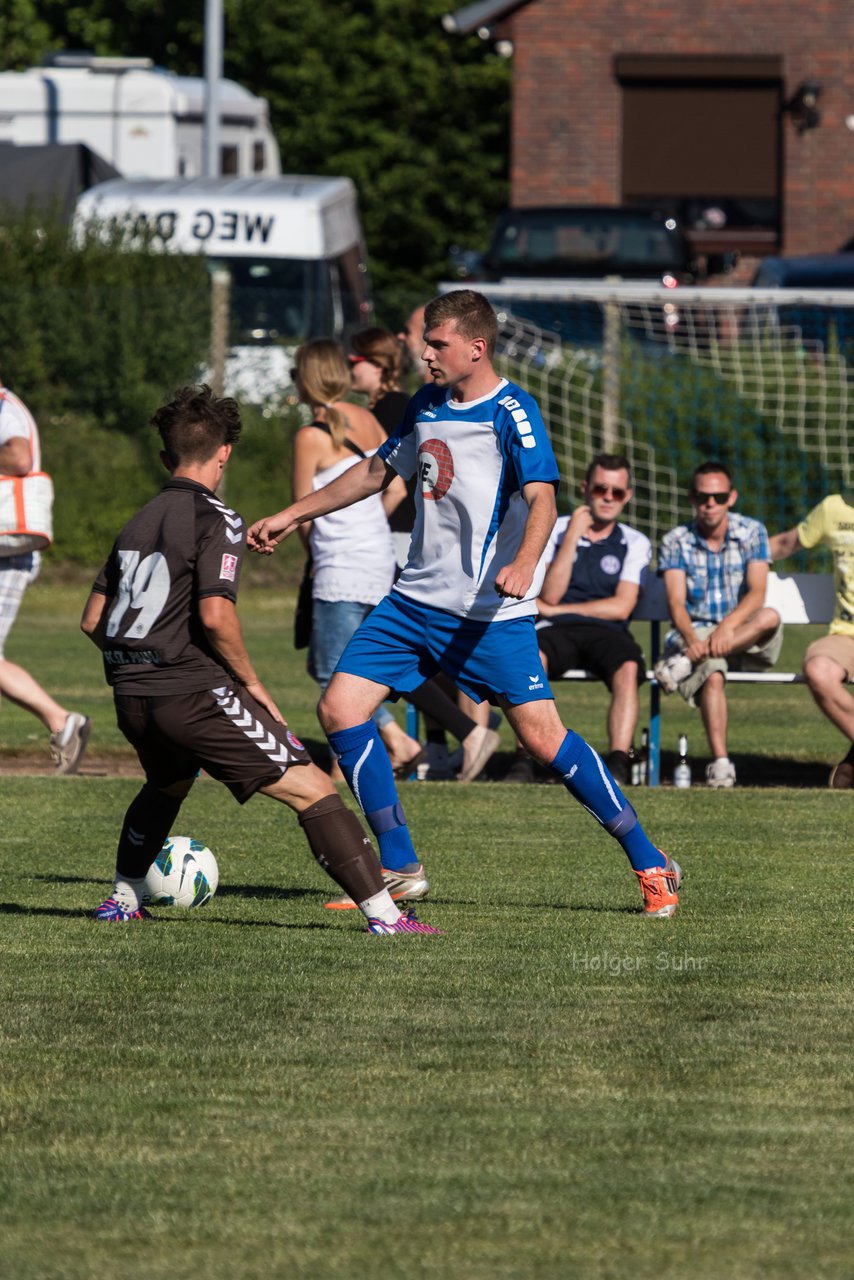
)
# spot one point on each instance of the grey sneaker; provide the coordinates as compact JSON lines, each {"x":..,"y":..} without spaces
{"x":404,"y":886}
{"x":670,"y":672}
{"x":720,"y":773}
{"x":67,"y":746}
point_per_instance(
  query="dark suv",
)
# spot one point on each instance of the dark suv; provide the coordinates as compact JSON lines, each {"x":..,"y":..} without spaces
{"x":812,"y":271}
{"x":587,"y":242}
{"x":813,"y":319}
{"x":573,"y":243}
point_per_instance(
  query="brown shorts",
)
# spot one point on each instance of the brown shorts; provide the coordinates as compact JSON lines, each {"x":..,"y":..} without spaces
{"x":839,"y":648}
{"x":224,"y":731}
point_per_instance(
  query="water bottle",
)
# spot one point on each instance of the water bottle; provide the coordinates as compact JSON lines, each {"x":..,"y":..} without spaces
{"x":682,"y":772}
{"x":643,"y":758}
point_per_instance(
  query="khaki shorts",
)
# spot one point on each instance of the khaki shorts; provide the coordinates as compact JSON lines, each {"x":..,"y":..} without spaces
{"x":839,"y":648}
{"x":759,"y":657}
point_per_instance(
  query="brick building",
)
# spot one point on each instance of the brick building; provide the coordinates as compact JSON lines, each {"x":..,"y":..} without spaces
{"x":738,"y":115}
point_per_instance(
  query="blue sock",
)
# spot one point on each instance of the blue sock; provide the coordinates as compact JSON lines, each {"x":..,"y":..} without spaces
{"x":365,"y":764}
{"x":586,"y":777}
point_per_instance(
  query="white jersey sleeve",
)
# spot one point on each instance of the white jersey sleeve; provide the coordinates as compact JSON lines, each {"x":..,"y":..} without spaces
{"x":638,"y":555}
{"x":16,"y":420}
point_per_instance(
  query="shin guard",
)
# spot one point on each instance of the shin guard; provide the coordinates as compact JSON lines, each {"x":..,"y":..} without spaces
{"x":341,"y":848}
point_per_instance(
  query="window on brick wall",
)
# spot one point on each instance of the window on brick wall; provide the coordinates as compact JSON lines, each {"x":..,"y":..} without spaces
{"x":701,"y":138}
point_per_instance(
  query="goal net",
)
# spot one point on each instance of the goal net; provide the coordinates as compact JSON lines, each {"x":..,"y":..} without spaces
{"x":759,"y":379}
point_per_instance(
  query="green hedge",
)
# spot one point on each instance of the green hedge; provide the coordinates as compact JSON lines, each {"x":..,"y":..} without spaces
{"x":102,"y":476}
{"x":93,"y":337}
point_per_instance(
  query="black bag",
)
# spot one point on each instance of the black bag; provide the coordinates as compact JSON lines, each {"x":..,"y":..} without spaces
{"x":302,"y":613}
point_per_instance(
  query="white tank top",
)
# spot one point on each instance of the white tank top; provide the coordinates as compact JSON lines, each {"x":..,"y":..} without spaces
{"x":351,"y":549}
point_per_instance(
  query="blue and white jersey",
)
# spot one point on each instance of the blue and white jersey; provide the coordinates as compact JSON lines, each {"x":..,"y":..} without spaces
{"x":472,"y":460}
{"x":601,"y":565}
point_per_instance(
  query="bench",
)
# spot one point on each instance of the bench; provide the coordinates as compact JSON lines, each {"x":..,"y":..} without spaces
{"x":798,"y":597}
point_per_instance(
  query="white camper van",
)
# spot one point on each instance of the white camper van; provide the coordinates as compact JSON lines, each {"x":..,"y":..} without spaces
{"x":145,"y":122}
{"x":292,"y":247}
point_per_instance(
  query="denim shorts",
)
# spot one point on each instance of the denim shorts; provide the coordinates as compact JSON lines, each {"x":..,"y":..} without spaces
{"x":333,"y":622}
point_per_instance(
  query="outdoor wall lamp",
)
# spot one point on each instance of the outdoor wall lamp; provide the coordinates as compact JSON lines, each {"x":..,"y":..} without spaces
{"x":803,"y":106}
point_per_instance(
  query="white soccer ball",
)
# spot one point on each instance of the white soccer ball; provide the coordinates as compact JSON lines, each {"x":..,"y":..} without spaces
{"x":184,"y":874}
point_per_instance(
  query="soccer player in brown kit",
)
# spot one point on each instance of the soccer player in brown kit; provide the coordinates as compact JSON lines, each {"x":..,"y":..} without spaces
{"x":163,"y":612}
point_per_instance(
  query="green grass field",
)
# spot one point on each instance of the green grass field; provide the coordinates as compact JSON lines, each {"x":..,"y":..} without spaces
{"x":556,"y":1088}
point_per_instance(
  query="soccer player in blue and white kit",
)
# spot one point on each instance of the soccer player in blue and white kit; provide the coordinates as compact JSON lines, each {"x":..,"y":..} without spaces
{"x":465,"y":602}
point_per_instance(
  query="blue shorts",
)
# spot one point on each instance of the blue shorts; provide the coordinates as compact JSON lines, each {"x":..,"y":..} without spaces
{"x":401,"y":644}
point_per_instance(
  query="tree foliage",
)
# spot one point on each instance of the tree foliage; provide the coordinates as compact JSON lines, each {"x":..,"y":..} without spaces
{"x":374,"y":89}
{"x":98,"y":327}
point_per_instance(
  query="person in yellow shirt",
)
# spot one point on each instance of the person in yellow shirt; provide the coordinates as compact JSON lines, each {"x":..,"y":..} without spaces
{"x":829,"y":662}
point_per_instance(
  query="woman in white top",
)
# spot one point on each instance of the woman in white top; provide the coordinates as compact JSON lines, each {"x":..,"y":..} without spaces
{"x":351,"y":550}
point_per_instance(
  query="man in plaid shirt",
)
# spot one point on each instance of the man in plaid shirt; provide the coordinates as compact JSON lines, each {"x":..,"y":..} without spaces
{"x":715,"y":573}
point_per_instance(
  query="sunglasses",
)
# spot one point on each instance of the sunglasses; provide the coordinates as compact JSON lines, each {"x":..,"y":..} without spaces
{"x":702,"y":498}
{"x":294,"y":373}
{"x":360,"y":360}
{"x":606,"y":490}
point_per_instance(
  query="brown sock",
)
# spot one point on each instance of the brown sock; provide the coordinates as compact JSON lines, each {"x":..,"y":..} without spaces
{"x":341,"y":847}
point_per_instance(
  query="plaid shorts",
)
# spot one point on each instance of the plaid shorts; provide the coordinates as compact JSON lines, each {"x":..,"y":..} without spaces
{"x":16,"y":574}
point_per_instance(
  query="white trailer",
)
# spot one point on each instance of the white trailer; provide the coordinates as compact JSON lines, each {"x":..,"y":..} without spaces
{"x":292,"y":247}
{"x":146,"y":122}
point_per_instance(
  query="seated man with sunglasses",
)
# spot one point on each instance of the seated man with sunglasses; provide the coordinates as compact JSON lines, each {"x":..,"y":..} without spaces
{"x":587,"y":597}
{"x":715,"y":573}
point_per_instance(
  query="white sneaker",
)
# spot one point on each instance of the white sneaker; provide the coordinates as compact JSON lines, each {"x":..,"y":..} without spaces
{"x":68,"y":745}
{"x":670,"y":672}
{"x":720,"y":773}
{"x":439,"y":766}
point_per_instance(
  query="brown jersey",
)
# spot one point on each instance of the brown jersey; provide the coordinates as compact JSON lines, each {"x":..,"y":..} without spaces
{"x":182,"y":546}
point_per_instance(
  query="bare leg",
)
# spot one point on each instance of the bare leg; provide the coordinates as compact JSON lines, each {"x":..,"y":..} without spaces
{"x":826,"y":680}
{"x":756,"y":630}
{"x":538,"y":727}
{"x":623,"y":711}
{"x":402,"y":749}
{"x":476,"y":711}
{"x":349,"y":700}
{"x":20,"y":687}
{"x":713,"y":708}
